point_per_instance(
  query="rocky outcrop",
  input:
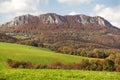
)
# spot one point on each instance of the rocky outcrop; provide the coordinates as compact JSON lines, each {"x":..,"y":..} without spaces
{"x":21,"y":20}
{"x":83,"y":19}
{"x":52,"y":18}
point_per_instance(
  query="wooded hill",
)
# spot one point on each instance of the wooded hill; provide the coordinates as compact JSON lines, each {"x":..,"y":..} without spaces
{"x":66,"y":34}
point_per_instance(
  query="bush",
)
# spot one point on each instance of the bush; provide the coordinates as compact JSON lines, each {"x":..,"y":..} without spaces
{"x":108,"y":65}
{"x":55,"y":65}
{"x":118,"y":68}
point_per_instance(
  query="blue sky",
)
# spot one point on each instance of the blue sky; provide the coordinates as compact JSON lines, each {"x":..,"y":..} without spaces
{"x":109,"y":9}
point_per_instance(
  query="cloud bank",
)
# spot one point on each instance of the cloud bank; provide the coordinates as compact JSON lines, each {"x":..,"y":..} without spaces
{"x":74,"y":1}
{"x":112,"y":14}
{"x":12,"y":8}
{"x":19,"y":6}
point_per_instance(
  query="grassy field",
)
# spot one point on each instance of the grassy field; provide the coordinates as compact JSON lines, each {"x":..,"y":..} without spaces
{"x":41,"y":55}
{"x":32,"y":54}
{"x":47,"y":74}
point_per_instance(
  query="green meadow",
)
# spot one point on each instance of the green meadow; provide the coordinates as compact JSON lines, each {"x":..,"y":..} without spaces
{"x":33,"y":54}
{"x":45,"y":56}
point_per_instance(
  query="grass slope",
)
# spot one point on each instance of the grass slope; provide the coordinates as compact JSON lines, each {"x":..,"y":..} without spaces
{"x":47,"y":74}
{"x":32,"y":54}
{"x":41,"y":55}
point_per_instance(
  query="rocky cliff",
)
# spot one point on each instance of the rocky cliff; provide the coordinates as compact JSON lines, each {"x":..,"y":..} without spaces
{"x":52,"y":18}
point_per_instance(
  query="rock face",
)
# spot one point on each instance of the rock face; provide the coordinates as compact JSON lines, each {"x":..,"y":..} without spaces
{"x":87,"y":20}
{"x":83,"y":19}
{"x":21,"y":20}
{"x":52,"y":18}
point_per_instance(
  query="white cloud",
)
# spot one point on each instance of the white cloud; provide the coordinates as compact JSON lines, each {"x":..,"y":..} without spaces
{"x":74,"y":1}
{"x":99,"y":7}
{"x":73,"y":13}
{"x":112,"y":14}
{"x":13,"y":8}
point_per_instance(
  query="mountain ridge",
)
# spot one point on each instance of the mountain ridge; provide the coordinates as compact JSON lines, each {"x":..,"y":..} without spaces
{"x":70,"y":30}
{"x":53,"y":18}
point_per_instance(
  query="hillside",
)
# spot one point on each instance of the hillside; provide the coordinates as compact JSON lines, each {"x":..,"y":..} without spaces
{"x":60,"y":30}
{"x":5,"y":38}
{"x":32,"y":54}
{"x":44,"y":56}
{"x":65,"y":34}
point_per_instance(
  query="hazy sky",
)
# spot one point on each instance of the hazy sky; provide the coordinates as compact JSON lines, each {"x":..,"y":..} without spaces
{"x":109,"y":9}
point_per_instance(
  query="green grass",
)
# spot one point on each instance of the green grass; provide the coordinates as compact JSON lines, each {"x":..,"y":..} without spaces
{"x":41,"y":55}
{"x":32,"y":54}
{"x":47,"y":74}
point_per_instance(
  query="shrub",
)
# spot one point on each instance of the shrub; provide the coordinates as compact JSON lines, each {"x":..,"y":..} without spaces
{"x":117,"y":68}
{"x":108,"y":65}
{"x":55,"y":65}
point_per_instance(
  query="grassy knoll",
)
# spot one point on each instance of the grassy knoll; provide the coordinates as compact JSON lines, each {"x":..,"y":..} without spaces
{"x":32,"y":54}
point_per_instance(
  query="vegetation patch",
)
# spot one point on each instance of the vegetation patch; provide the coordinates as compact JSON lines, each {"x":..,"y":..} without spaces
{"x":55,"y":74}
{"x":96,"y":65}
{"x":35,"y":55}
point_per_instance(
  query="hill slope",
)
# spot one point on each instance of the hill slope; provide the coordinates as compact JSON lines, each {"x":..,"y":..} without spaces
{"x":60,"y":30}
{"x":32,"y":54}
{"x":5,"y":38}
